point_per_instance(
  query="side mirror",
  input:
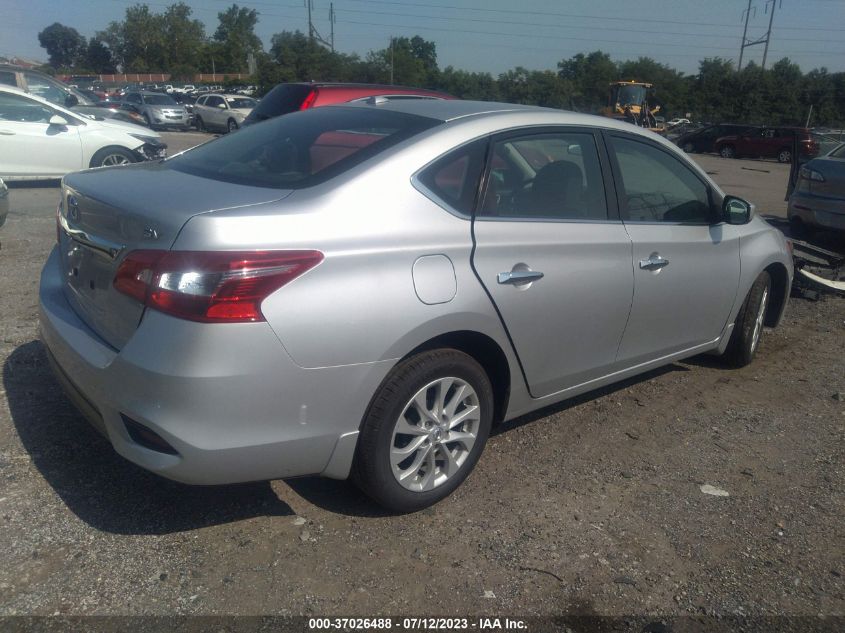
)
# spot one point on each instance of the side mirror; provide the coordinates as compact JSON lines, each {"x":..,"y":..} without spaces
{"x":71,"y":100}
{"x":222,"y":106}
{"x":58,"y":120}
{"x":736,"y":210}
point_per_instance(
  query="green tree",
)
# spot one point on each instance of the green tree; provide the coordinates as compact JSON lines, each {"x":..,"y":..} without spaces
{"x":98,"y":57}
{"x":590,"y":76}
{"x":410,"y":61}
{"x":237,"y":38}
{"x":65,"y":46}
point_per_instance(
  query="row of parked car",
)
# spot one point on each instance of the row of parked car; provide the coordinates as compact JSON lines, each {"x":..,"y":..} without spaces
{"x":731,"y":140}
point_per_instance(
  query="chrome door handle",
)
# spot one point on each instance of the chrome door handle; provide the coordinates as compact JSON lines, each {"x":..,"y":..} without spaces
{"x":519,"y":276}
{"x":655,"y":262}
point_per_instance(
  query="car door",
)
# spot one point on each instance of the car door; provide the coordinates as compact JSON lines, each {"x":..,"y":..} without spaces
{"x":685,"y":262}
{"x":552,"y":254}
{"x":216,"y":116}
{"x":33,"y":147}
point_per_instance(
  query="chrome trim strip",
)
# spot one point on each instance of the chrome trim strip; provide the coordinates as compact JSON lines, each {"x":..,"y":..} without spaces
{"x":99,"y":244}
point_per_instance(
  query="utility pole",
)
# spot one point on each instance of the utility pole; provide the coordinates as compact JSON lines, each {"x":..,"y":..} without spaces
{"x":744,"y":35}
{"x":310,"y":23}
{"x":331,"y":22}
{"x":769,"y":33}
{"x":391,"y":59}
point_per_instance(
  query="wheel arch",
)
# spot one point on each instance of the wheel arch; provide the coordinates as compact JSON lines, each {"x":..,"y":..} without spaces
{"x":487,"y":353}
{"x":780,"y":293}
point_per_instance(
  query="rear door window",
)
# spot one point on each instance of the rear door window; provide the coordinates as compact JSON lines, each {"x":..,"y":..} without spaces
{"x":545,"y":176}
{"x":302,"y":149}
{"x":8,"y":78}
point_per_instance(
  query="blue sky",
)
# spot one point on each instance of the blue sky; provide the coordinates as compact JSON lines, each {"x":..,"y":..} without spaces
{"x":496,"y":35}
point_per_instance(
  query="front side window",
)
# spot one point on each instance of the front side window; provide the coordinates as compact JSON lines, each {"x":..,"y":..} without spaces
{"x":656,"y":186}
{"x":545,"y":176}
{"x":300,"y":149}
{"x":45,"y":88}
{"x":19,"y":109}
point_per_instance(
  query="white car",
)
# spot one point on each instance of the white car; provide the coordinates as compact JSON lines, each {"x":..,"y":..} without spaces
{"x":222,"y":112}
{"x":40,"y":139}
{"x":677,"y":122}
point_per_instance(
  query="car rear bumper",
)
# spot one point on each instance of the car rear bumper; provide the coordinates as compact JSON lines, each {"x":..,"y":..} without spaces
{"x":226,"y":398}
{"x":817,"y":211}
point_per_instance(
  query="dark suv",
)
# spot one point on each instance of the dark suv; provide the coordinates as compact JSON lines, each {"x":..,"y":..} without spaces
{"x":768,"y":142}
{"x":287,"y":98}
{"x":703,"y":139}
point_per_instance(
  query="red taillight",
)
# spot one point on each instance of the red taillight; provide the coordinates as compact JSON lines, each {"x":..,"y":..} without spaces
{"x":212,"y":287}
{"x":309,"y":100}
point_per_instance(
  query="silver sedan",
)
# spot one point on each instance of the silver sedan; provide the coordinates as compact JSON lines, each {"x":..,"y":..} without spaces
{"x":365,"y":289}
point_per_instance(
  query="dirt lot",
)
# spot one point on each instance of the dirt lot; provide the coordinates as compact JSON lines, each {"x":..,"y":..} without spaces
{"x":594,"y":506}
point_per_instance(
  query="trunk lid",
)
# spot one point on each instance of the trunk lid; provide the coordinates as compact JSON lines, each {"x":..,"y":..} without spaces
{"x":107,"y":213}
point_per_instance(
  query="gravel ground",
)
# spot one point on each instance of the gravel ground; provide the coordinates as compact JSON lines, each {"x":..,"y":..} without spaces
{"x":591,"y":507}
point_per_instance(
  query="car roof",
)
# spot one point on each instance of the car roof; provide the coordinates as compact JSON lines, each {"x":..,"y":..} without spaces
{"x":451,"y":110}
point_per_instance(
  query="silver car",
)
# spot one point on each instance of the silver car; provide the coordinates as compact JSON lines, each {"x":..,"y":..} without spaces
{"x":365,"y":289}
{"x":222,"y":112}
{"x":159,"y":110}
{"x":819,"y":196}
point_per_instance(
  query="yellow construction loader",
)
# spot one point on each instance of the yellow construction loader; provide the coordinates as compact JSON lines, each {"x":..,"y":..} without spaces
{"x":629,"y":101}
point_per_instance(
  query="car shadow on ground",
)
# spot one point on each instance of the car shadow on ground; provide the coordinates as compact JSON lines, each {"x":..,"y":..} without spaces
{"x":106,"y":491}
{"x":342,"y":497}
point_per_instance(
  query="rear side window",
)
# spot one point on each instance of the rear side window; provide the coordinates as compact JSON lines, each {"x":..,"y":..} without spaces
{"x":7,"y":78}
{"x":546,"y":176}
{"x":302,"y":149}
{"x":454,"y":177}
{"x":283,"y":99}
{"x":657,"y":187}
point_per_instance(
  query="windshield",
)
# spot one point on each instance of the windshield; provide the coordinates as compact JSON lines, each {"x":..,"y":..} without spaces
{"x":241,"y":102}
{"x":158,"y":100}
{"x":631,"y":95}
{"x":301,"y":149}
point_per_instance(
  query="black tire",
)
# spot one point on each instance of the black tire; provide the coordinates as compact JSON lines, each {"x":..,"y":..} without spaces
{"x":200,"y":124}
{"x":798,"y":229}
{"x":748,"y":326}
{"x":111,"y":156}
{"x":689,"y":148}
{"x":372,"y":470}
{"x":231,"y":126}
{"x":147,"y":121}
{"x":727,"y":151}
{"x":785,"y":155}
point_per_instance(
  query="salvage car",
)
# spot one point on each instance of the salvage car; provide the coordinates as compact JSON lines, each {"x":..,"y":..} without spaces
{"x":819,"y":196}
{"x":767,"y":142}
{"x":365,"y":289}
{"x":158,"y":110}
{"x":704,"y":139}
{"x":292,"y":97}
{"x":222,"y":112}
{"x":43,"y":140}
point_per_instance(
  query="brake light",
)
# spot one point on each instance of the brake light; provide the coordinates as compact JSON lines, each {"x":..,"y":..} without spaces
{"x":211,"y":287}
{"x":309,"y":100}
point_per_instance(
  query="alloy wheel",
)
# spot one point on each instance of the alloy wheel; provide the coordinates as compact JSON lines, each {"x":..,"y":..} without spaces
{"x":115,"y":159}
{"x":435,"y":434}
{"x":758,"y":322}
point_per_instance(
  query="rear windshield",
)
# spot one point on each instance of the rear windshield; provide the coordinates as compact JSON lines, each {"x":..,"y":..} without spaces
{"x":301,"y":149}
{"x":158,"y":100}
{"x":283,"y":99}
